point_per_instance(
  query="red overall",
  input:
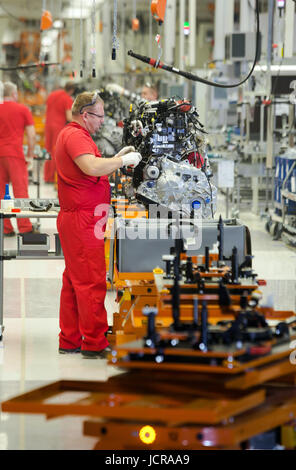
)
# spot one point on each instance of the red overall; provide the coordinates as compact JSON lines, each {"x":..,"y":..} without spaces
{"x":83,"y":318}
{"x":58,"y":102}
{"x":14,"y":118}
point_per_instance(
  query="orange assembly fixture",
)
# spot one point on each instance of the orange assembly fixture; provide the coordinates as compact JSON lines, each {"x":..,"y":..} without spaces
{"x":158,"y":9}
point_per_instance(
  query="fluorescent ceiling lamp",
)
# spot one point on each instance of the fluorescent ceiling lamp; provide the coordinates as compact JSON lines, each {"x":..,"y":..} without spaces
{"x":276,"y":68}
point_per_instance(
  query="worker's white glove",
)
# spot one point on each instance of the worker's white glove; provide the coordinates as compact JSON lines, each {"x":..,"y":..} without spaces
{"x":126,"y":150}
{"x":115,"y":88}
{"x":131,"y":159}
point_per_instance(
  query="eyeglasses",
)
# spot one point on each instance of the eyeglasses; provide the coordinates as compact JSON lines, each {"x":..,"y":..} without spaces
{"x":100,"y":116}
{"x":94,"y":99}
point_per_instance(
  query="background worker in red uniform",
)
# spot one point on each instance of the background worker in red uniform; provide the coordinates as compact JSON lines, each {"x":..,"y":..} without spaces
{"x":15,"y":119}
{"x":58,"y":113}
{"x":83,"y":189}
{"x":149,"y":92}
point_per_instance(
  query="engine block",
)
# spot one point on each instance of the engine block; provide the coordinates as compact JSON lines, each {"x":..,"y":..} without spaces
{"x":174,"y":171}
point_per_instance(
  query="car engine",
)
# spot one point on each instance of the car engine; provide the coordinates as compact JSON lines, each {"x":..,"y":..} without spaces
{"x":174,"y":171}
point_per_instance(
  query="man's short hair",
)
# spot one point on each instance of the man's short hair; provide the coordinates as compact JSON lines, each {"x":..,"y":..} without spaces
{"x":86,"y":101}
{"x":8,"y":89}
{"x":69,"y":86}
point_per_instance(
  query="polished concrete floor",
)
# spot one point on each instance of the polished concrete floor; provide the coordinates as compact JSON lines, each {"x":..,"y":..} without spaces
{"x":28,"y":351}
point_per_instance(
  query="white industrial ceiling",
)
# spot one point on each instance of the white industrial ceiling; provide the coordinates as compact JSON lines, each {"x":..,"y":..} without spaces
{"x":31,"y":9}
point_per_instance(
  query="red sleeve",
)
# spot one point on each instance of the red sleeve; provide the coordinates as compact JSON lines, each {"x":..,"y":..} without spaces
{"x":78,"y":144}
{"x":28,"y":118}
{"x":68,"y":101}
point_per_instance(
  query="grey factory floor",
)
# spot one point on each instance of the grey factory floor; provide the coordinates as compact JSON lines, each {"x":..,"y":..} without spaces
{"x":29,"y":350}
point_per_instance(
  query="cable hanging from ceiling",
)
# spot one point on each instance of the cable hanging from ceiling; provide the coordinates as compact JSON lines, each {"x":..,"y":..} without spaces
{"x":114,"y":37}
{"x":93,"y":38}
{"x":135,"y":21}
{"x":81,"y":42}
{"x":73,"y":44}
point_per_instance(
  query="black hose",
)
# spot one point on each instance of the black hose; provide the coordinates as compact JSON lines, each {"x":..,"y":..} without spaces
{"x":20,"y":67}
{"x":196,"y":78}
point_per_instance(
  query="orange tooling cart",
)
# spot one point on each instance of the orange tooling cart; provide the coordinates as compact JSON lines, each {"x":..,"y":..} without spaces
{"x":187,"y":403}
{"x":136,"y":290}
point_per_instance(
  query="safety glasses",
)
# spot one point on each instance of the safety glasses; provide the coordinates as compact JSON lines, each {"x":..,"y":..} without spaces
{"x":100,"y":116}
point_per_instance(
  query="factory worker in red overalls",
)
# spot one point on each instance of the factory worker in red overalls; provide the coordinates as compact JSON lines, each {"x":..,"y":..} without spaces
{"x":84,"y":196}
{"x":15,"y":120}
{"x":58,"y":113}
